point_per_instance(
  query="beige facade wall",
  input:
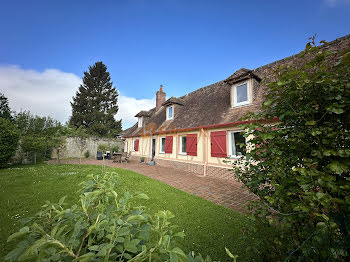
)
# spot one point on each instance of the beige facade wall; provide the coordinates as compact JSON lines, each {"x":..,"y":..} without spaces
{"x":202,"y":164}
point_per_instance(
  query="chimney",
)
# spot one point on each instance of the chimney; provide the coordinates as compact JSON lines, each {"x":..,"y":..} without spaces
{"x":160,"y":98}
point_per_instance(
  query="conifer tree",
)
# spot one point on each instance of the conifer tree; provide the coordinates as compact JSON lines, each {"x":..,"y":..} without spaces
{"x":5,"y":111}
{"x":95,"y":103}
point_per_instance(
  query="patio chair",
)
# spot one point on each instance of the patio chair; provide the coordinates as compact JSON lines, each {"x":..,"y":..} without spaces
{"x":125,"y":157}
{"x":117,"y":158}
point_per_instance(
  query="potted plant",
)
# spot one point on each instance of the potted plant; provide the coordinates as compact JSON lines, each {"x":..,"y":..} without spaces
{"x":142,"y":159}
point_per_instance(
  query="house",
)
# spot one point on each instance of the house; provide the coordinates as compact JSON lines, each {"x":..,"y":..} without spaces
{"x":197,"y":131}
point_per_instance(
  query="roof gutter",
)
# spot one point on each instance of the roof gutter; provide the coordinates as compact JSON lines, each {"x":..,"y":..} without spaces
{"x":199,"y":127}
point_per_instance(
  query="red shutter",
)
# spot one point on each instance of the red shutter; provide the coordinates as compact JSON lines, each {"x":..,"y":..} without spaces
{"x":168,"y":144}
{"x":218,"y":144}
{"x":192,"y":145}
{"x":137,"y":144}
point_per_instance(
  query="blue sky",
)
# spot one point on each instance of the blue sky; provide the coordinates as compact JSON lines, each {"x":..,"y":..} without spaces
{"x":181,"y":44}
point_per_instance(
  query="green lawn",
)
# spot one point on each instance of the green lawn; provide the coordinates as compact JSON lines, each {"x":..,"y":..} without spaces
{"x":209,"y":228}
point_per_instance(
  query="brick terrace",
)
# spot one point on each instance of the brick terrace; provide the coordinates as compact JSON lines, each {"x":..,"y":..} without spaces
{"x":220,"y":191}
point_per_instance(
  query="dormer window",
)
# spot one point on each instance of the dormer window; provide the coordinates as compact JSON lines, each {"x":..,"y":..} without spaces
{"x":242,"y":82}
{"x":241,"y":93}
{"x":170,"y":106}
{"x":170,"y":112}
{"x":141,"y":117}
{"x":140,"y":122}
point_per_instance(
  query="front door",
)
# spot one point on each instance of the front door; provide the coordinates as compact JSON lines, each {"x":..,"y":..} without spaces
{"x":153,"y":151}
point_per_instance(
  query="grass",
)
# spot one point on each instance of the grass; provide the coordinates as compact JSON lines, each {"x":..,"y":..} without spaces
{"x":209,"y":228}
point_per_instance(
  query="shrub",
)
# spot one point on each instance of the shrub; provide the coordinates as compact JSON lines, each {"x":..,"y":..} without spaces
{"x":9,"y":137}
{"x":115,"y":149}
{"x":87,"y":154}
{"x":103,"y":227}
{"x":300,"y":167}
{"x":35,"y":145}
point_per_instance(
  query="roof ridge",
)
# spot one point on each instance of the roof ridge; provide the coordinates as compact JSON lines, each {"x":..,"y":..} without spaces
{"x":293,"y":56}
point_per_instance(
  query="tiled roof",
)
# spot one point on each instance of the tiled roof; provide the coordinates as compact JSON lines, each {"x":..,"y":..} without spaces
{"x":240,"y":75}
{"x":211,"y":105}
{"x":173,"y":100}
{"x":143,"y":113}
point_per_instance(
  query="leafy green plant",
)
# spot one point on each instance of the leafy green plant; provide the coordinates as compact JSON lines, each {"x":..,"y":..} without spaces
{"x":103,"y":148}
{"x":33,"y":144}
{"x":103,"y":227}
{"x":115,"y":149}
{"x":87,"y":154}
{"x":9,"y":137}
{"x":80,"y":138}
{"x":58,"y":143}
{"x":299,"y":165}
{"x":38,"y":135}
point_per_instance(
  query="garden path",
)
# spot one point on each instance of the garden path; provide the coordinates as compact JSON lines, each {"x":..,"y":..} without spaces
{"x":220,"y":191}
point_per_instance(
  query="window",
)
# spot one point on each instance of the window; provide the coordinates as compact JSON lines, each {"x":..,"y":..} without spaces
{"x":241,"y":94}
{"x":183,"y":145}
{"x":140,"y":122}
{"x":170,"y":112}
{"x":235,"y":139}
{"x":162,"y":145}
{"x":135,"y":145}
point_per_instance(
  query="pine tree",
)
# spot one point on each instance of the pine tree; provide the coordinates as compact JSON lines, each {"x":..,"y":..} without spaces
{"x":5,"y":111}
{"x":95,"y":103}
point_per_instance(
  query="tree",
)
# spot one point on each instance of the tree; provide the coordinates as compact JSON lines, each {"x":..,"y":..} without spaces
{"x":299,"y":166}
{"x":5,"y":111}
{"x":58,"y":143}
{"x":33,"y":144}
{"x":103,"y":148}
{"x":9,"y":137}
{"x":95,"y":103}
{"x":80,"y":139}
{"x":39,"y":132}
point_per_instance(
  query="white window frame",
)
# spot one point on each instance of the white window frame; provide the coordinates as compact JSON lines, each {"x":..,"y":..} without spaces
{"x":167,"y":112}
{"x":140,"y":121}
{"x":180,"y":151}
{"x":230,"y":143}
{"x":160,"y":145}
{"x":235,"y":103}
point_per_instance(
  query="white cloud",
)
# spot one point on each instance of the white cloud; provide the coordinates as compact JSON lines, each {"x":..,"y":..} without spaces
{"x":43,"y":93}
{"x":50,"y":92}
{"x":130,"y":106}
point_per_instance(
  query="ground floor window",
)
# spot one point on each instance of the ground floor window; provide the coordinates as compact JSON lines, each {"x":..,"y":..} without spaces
{"x":236,"y":138}
{"x":162,"y":145}
{"x":136,"y":145}
{"x":183,"y":145}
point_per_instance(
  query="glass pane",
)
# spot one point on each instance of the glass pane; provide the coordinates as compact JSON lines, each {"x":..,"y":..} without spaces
{"x":140,"y":121}
{"x":233,"y":144}
{"x":242,"y":93}
{"x":163,"y":144}
{"x":170,"y":112}
{"x":239,"y":139}
{"x":184,"y":144}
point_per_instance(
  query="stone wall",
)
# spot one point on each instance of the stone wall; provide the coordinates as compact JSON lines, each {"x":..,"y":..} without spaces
{"x":71,"y":149}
